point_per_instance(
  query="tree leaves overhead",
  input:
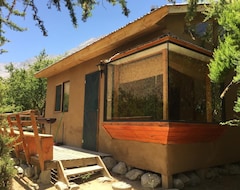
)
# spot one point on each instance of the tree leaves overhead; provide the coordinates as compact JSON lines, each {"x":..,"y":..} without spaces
{"x":8,"y":8}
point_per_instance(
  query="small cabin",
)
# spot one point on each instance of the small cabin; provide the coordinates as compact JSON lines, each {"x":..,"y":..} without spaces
{"x":142,"y":94}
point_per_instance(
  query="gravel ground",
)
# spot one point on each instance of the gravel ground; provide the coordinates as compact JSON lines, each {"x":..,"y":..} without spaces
{"x":219,"y":183}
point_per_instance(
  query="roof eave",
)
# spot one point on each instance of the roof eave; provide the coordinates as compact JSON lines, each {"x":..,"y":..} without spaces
{"x":111,"y":41}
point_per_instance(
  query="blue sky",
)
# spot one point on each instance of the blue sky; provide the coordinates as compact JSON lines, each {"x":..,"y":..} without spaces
{"x":62,"y":36}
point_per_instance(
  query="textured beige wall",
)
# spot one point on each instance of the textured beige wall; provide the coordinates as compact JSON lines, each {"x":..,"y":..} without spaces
{"x":71,"y":126}
{"x":203,"y":155}
{"x":174,"y":158}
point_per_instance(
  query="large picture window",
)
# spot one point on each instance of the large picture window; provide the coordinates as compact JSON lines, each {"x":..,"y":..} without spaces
{"x":62,"y":97}
{"x":187,"y":88}
{"x":164,"y":82}
{"x":135,"y":90}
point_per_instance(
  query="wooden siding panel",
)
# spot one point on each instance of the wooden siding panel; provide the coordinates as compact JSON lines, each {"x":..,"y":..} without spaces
{"x":154,"y":134}
{"x":168,"y":133}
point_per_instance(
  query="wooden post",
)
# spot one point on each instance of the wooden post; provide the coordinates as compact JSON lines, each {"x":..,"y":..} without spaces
{"x":37,"y":139}
{"x":22,"y":138}
{"x":167,"y":181}
{"x":165,"y":83}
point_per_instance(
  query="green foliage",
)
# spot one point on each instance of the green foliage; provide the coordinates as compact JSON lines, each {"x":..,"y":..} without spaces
{"x":7,"y":170}
{"x":226,"y":57}
{"x":10,"y":9}
{"x":22,"y":91}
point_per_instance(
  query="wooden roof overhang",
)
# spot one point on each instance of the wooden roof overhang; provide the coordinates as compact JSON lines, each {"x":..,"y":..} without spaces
{"x":114,"y":40}
{"x":177,"y":45}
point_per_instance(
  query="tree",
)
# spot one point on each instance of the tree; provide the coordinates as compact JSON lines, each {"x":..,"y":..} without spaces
{"x":7,"y":170}
{"x":8,"y":9}
{"x":22,"y":90}
{"x":226,"y":57}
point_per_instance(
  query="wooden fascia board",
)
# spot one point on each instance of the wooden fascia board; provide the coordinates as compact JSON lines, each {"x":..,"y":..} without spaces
{"x":164,"y":40}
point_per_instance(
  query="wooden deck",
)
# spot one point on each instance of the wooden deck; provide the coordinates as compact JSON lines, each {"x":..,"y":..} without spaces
{"x":70,"y":153}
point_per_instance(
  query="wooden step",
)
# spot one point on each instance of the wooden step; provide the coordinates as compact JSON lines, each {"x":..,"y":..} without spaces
{"x":82,"y":170}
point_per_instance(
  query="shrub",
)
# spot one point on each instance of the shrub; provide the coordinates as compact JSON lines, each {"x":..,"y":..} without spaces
{"x":7,"y":170}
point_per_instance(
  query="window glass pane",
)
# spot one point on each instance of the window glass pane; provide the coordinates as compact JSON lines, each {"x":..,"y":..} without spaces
{"x":66,"y":86}
{"x":135,"y":90}
{"x":58,"y":97}
{"x":187,"y":88}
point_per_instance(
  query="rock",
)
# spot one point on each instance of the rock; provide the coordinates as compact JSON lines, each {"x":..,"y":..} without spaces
{"x":178,"y":183}
{"x":211,"y":173}
{"x":23,"y":166}
{"x":120,"y":168}
{"x":194,"y":179}
{"x":150,"y":180}
{"x":61,"y":186}
{"x":37,"y":172}
{"x":20,"y":171}
{"x":104,"y":179}
{"x":134,"y":174}
{"x":45,"y":177}
{"x":74,"y":186}
{"x":29,"y":171}
{"x":121,"y":186}
{"x":233,"y":169}
{"x":109,"y":162}
{"x":185,"y":179}
{"x":222,"y":171}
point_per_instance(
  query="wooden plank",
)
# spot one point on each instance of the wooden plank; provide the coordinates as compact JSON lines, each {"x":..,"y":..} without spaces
{"x":142,"y":133}
{"x":81,"y":162}
{"x":61,"y":174}
{"x":82,"y":170}
{"x":172,"y":133}
{"x":37,"y":140}
{"x":165,"y":83}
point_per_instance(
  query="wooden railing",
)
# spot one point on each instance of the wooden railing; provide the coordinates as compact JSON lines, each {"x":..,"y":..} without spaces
{"x":32,"y":144}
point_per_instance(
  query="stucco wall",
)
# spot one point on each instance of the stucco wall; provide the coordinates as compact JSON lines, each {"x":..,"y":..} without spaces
{"x":174,"y":158}
{"x":70,"y":123}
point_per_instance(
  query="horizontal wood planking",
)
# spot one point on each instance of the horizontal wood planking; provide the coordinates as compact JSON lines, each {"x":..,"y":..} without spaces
{"x":164,"y":132}
{"x":82,"y":170}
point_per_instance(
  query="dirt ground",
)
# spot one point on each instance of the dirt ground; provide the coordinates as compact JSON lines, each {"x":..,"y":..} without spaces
{"x":220,"y":183}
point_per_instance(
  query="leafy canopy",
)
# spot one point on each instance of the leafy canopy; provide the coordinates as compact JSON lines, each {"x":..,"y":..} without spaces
{"x":9,"y":8}
{"x":21,"y":90}
{"x":226,"y":57}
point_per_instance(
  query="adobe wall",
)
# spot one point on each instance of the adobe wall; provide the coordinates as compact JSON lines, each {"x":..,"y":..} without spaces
{"x":174,"y":158}
{"x":146,"y":156}
{"x":71,"y":125}
{"x":203,"y":155}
